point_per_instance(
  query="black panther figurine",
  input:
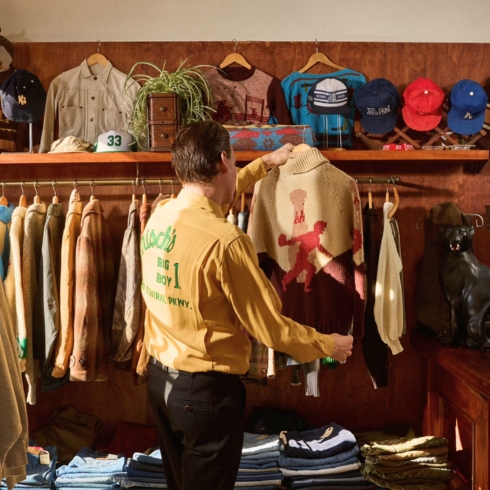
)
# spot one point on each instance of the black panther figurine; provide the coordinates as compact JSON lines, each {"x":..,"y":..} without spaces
{"x":466,"y":285}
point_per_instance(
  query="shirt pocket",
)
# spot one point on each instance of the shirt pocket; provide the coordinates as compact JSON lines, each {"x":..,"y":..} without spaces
{"x":70,"y":112}
{"x":111,"y":116}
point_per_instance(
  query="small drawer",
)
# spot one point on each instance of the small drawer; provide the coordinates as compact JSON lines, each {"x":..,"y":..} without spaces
{"x":163,"y":109}
{"x":162,"y":136}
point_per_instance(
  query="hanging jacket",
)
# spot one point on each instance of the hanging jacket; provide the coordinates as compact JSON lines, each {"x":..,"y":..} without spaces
{"x":127,"y":307}
{"x":94,"y":268}
{"x":14,"y":285}
{"x":31,"y":258}
{"x":50,"y":301}
{"x":64,"y":340}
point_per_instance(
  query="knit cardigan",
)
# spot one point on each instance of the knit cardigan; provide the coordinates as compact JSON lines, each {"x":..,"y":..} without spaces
{"x":93,"y":296}
{"x":306,"y":226}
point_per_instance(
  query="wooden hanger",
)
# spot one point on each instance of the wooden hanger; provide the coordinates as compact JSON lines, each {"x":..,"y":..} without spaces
{"x":97,"y":58}
{"x":144,"y":199}
{"x":23,"y":199}
{"x":37,"y":199}
{"x":3,"y":200}
{"x":396,"y":204}
{"x":55,"y":197}
{"x":92,"y":197}
{"x":370,"y":198}
{"x":242,"y":203}
{"x":133,"y":196}
{"x":320,"y":58}
{"x":173,"y":196}
{"x":235,"y":58}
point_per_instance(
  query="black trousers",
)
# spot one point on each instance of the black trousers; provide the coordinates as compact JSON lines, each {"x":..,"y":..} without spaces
{"x":200,"y":422}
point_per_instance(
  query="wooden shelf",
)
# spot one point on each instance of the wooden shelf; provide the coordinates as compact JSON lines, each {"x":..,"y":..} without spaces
{"x":473,"y":160}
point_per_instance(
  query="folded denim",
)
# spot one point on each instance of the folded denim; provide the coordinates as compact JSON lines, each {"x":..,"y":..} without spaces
{"x":142,"y":479}
{"x":39,"y":475}
{"x":287,"y":462}
{"x":155,"y":458}
{"x":361,"y":486}
{"x":261,"y":456}
{"x":87,"y":461}
{"x":257,"y":443}
{"x":147,"y":474}
{"x":102,"y":479}
{"x":91,"y":485}
{"x":257,"y":487}
{"x":352,"y":476}
{"x":259,"y":477}
{"x":327,"y":471}
{"x":265,"y":482}
{"x":338,"y":464}
{"x":258,"y":466}
{"x":252,"y":471}
{"x":151,"y":468}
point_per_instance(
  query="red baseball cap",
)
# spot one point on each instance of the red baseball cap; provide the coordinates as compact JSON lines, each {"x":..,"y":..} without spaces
{"x":423,"y":104}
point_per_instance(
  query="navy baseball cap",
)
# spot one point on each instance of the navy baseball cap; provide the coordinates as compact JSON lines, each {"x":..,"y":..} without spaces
{"x":23,"y":97}
{"x":377,"y":102}
{"x":468,"y":102}
{"x":329,"y":96}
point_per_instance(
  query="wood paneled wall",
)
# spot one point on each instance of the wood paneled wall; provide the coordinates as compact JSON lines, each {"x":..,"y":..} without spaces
{"x":347,"y":396}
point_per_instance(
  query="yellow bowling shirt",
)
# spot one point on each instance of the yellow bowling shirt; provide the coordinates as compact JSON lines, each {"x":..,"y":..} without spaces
{"x":203,"y":286}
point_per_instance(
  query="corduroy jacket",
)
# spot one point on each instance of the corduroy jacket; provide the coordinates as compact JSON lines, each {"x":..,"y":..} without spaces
{"x":94,"y":265}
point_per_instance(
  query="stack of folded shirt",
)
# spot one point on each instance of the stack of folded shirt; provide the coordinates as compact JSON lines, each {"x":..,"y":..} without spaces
{"x":408,"y":463}
{"x":145,"y":471}
{"x":90,"y":469}
{"x":40,"y":470}
{"x":258,"y":464}
{"x":321,"y":458}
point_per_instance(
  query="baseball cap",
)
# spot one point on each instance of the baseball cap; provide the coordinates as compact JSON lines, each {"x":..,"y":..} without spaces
{"x":423,"y":104}
{"x":328,"y":96}
{"x":115,"y":140}
{"x":23,"y":97}
{"x":377,"y":102}
{"x":468,"y":102}
{"x":70,"y":144}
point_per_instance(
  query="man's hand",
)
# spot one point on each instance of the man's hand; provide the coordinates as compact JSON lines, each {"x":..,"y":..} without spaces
{"x":279,"y":157}
{"x":342,"y":347}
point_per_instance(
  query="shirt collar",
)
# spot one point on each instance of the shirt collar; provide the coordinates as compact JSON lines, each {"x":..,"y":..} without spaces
{"x":102,"y":76}
{"x":198,"y":200}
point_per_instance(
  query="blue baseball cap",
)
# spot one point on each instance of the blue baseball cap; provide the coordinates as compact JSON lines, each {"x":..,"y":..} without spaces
{"x":377,"y":102}
{"x":468,"y":102}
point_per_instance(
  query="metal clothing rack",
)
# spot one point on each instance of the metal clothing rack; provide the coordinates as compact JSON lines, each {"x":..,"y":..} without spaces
{"x":75,"y":183}
{"x":377,"y":180}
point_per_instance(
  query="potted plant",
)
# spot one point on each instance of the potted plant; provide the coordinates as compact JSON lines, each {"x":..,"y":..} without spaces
{"x":188,"y":83}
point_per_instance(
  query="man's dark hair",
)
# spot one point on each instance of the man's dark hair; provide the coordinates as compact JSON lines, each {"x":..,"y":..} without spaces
{"x":197,"y":151}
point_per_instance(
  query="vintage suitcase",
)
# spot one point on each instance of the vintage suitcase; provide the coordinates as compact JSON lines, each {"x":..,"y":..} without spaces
{"x":163,"y":121}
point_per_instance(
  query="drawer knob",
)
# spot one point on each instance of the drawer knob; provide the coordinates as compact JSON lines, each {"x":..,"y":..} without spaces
{"x":163,"y":108}
{"x":164,"y":135}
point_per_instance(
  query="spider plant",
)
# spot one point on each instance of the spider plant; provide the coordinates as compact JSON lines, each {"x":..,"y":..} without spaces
{"x":188,"y":82}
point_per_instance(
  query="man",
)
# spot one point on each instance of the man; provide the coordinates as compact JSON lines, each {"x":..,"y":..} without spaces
{"x":202,"y":286}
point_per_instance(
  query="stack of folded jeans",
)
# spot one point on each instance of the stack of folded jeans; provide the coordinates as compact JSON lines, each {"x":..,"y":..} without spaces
{"x":420,"y":462}
{"x":259,"y":469}
{"x":90,"y":469}
{"x":40,"y":470}
{"x":322,"y":458}
{"x":145,"y":471}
